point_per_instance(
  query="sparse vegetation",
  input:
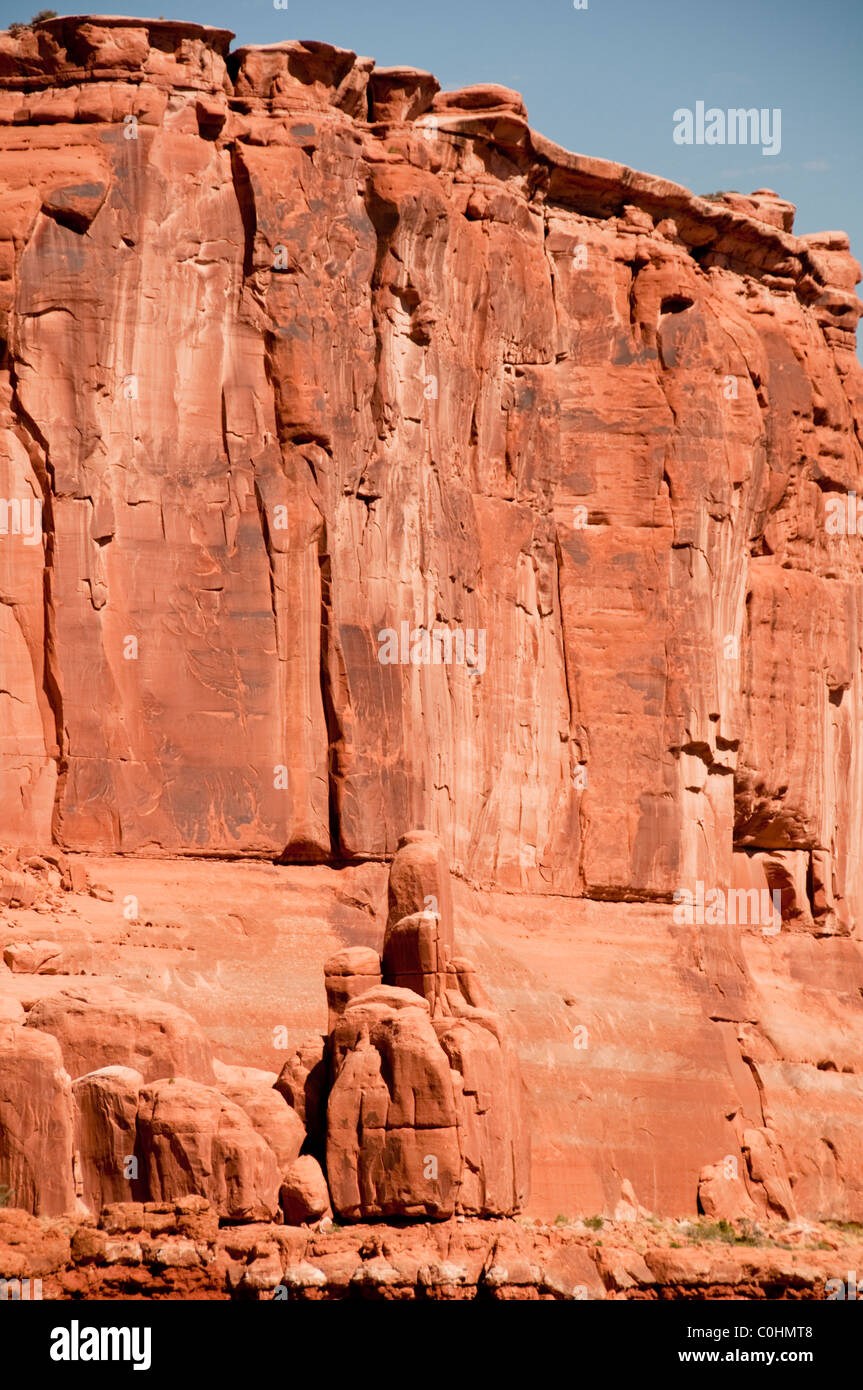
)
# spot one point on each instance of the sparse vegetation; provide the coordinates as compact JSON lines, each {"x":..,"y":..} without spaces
{"x":700,"y":1231}
{"x":749,"y":1234}
{"x":848,"y":1228}
{"x":18,"y":28}
{"x":594,"y":1223}
{"x":744,"y":1233}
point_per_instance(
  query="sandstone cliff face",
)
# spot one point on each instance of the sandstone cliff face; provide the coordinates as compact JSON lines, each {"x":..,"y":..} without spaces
{"x":303,"y":352}
{"x":299,"y":352}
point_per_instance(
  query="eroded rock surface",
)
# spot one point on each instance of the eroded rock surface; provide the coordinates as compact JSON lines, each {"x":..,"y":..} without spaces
{"x":290,"y":336}
{"x":425,"y":1115}
{"x":305,"y":362}
{"x":36,"y":1123}
{"x":194,"y":1141}
{"x":100,"y":1026}
{"x":177,"y":1250}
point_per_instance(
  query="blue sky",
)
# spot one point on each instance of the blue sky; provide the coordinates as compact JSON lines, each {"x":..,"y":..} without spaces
{"x":607,"y":80}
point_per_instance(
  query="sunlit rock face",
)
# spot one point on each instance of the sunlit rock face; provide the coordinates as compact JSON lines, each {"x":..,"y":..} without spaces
{"x":300,"y":354}
{"x":369,"y":462}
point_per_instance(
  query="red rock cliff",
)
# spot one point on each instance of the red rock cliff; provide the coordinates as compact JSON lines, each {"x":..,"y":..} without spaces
{"x":299,"y":351}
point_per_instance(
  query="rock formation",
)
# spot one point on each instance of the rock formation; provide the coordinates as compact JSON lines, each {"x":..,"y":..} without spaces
{"x":291,"y":336}
{"x":424,"y":1115}
{"x":179,"y":1250}
{"x":415,"y":1108}
{"x":369,"y":461}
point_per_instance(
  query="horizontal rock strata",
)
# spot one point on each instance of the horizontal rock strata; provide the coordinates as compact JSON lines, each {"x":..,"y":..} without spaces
{"x":178,"y":1251}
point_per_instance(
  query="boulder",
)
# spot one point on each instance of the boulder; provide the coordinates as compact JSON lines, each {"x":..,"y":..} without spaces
{"x":36,"y":1123}
{"x":106,"y":1108}
{"x":271,"y":1116}
{"x":722,"y":1194}
{"x":348,"y":974}
{"x":103,"y":1026}
{"x":193,"y":1141}
{"x":304,"y":1196}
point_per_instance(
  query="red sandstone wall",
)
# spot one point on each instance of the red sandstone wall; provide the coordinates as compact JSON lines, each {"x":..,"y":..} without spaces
{"x":321,"y":350}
